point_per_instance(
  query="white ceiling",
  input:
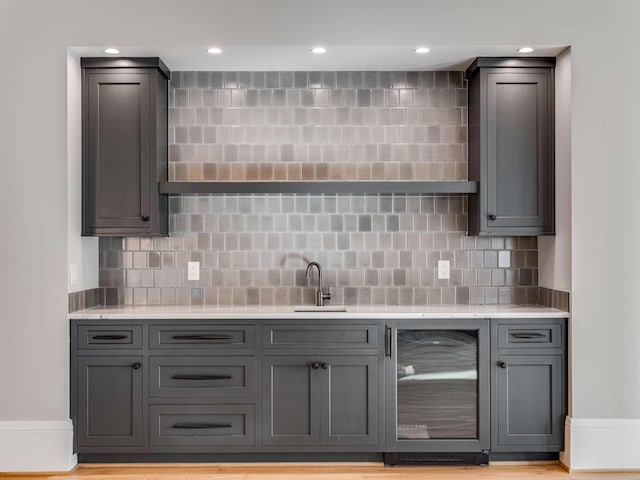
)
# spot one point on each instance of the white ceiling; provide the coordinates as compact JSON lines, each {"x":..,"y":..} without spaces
{"x":338,"y":57}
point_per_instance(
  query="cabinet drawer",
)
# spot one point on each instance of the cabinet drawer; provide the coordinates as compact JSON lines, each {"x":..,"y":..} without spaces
{"x":201,"y":425}
{"x":530,"y":336}
{"x":214,"y":337}
{"x":320,"y":336}
{"x":202,"y":377}
{"x":109,"y":336}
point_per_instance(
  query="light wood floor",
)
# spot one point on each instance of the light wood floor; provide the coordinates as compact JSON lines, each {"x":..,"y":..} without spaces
{"x":320,"y":472}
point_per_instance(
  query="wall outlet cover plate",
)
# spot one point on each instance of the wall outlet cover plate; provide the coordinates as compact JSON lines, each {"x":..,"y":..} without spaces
{"x":193,"y":270}
{"x":443,"y":269}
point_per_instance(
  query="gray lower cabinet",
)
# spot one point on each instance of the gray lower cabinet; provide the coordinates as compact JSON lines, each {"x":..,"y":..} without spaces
{"x":403,"y":386}
{"x":109,"y":405}
{"x":320,"y":400}
{"x":528,"y":385}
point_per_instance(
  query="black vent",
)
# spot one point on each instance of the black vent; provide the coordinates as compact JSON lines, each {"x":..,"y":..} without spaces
{"x":437,"y":458}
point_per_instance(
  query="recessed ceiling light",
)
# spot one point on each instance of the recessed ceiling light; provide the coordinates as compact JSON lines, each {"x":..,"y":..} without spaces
{"x":214,"y":50}
{"x":111,"y":51}
{"x":319,"y":50}
{"x":525,"y":50}
{"x":422,"y":50}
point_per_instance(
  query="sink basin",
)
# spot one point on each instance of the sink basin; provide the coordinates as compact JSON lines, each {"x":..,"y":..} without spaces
{"x":326,"y":308}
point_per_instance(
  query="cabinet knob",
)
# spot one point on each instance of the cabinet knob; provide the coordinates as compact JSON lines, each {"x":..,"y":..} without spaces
{"x":502,"y":365}
{"x":315,"y":365}
{"x":492,"y":217}
{"x":324,"y":365}
{"x":136,"y":365}
{"x":145,"y":218}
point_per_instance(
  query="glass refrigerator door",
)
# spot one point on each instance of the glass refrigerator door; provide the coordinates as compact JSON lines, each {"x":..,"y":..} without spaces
{"x":437,"y":384}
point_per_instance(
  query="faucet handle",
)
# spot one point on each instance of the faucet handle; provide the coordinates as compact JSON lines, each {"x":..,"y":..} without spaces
{"x":327,"y":296}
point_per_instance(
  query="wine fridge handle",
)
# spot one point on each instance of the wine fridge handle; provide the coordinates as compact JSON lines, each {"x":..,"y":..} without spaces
{"x":388,"y":341}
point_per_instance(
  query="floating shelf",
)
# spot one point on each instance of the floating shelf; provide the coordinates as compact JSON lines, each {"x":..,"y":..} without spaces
{"x":318,"y":187}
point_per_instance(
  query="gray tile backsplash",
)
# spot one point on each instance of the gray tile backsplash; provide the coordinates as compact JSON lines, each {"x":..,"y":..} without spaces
{"x":94,"y":297}
{"x":375,"y":249}
{"x":317,"y":126}
{"x":555,"y":299}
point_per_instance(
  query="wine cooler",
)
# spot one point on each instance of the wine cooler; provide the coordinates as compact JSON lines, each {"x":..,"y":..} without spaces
{"x":437,"y":386}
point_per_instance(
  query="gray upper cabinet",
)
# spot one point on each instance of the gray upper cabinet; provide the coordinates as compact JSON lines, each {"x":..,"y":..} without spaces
{"x":125,"y":147}
{"x":511,"y":146}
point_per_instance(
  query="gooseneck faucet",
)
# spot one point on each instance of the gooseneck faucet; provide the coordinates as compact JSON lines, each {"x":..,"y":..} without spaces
{"x":320,"y":295}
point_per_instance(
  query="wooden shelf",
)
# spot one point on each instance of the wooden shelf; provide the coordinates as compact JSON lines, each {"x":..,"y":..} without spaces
{"x":319,"y":187}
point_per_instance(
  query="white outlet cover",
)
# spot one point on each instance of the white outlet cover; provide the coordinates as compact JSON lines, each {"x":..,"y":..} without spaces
{"x":74,"y":274}
{"x":193,"y":270}
{"x":443,"y":269}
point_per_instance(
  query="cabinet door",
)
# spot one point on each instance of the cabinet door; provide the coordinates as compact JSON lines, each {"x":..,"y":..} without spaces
{"x":109,"y":401}
{"x":118,"y":146}
{"x":291,"y":401}
{"x":528,"y":413}
{"x":519,"y":151}
{"x":349,"y":413}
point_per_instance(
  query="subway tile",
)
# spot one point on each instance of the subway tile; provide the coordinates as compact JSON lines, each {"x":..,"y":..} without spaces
{"x":203,"y":79}
{"x":188,"y":79}
{"x":399,"y":79}
{"x":286,"y":79}
{"x":271,"y":80}
{"x":244,"y":80}
{"x":412,"y":79}
{"x":315,"y":79}
{"x":356,"y":79}
{"x":300,"y":80}
{"x":364,"y":98}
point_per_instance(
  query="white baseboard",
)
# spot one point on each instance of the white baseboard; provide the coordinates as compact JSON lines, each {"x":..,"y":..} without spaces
{"x":602,"y":444}
{"x":36,"y":446}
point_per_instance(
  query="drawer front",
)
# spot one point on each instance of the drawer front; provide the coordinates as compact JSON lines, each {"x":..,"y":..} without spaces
{"x":173,"y":377}
{"x":530,"y":336}
{"x":109,"y":336}
{"x":188,"y":337}
{"x":201,"y":425}
{"x":320,"y":336}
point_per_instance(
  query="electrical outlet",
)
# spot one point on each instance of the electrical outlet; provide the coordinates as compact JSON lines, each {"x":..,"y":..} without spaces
{"x":74,"y":275}
{"x":193,"y":270}
{"x":443,"y":269}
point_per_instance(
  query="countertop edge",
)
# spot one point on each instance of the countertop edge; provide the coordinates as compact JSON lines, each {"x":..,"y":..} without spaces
{"x":314,"y":316}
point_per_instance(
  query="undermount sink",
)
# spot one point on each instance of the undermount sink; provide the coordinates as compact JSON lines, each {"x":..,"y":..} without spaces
{"x":325,"y":308}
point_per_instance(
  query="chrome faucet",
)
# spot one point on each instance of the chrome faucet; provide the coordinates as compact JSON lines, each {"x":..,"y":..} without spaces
{"x":320,"y":295}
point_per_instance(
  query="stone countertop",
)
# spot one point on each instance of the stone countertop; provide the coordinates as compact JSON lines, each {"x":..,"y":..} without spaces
{"x":286,"y":312}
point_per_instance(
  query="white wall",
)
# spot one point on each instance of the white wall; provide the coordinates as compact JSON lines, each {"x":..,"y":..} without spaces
{"x":82,"y":251}
{"x":34,"y":339}
{"x":555,"y":251}
{"x":604,"y":172}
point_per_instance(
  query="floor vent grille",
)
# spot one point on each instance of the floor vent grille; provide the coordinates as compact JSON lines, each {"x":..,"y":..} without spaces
{"x":437,"y":458}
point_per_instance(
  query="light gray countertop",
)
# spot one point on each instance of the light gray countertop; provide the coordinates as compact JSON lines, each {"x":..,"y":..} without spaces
{"x":287,"y":312}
